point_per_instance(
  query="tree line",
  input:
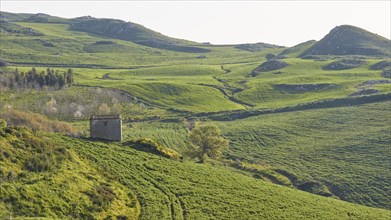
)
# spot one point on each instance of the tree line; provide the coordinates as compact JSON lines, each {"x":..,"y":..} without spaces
{"x":36,"y":80}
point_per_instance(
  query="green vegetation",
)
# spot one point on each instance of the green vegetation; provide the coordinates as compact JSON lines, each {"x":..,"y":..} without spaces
{"x":33,"y":79}
{"x":350,"y":40}
{"x":343,"y":148}
{"x":208,"y":141}
{"x":306,"y":141}
{"x":187,"y":190}
{"x":36,"y":122}
{"x":41,"y":178}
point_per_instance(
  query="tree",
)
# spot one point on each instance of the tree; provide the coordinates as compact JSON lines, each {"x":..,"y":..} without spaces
{"x":208,"y":141}
{"x":69,"y":77}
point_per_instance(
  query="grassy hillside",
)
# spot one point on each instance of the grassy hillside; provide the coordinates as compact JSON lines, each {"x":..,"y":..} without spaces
{"x":42,"y":178}
{"x":344,"y":148}
{"x":132,"y":32}
{"x":76,"y":186}
{"x":350,"y":40}
{"x":320,"y":125}
{"x":296,"y":50}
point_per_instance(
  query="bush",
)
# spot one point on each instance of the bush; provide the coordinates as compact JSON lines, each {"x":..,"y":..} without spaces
{"x":101,"y":196}
{"x":151,"y":146}
{"x":3,"y":124}
{"x":40,"y":163}
{"x":35,"y":121}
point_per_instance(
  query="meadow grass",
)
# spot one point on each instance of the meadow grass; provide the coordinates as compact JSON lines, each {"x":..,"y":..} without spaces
{"x":345,"y":148}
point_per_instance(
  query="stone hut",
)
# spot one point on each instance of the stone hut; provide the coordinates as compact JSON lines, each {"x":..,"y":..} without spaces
{"x":107,"y":127}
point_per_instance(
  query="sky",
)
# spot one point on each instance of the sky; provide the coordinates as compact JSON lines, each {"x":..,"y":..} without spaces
{"x":284,"y":23}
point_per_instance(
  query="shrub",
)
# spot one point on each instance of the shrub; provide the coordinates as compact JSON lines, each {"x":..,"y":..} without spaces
{"x":36,"y":122}
{"x":101,"y":196}
{"x":208,"y":141}
{"x":40,"y":163}
{"x":151,"y":146}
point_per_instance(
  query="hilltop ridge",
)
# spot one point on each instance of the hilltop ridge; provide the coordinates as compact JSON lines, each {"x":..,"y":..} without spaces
{"x":350,"y":40}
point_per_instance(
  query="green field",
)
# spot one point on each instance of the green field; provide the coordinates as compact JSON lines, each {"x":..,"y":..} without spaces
{"x":305,"y":142}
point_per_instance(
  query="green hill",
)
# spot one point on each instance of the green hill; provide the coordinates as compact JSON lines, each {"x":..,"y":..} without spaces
{"x":7,"y":16}
{"x":132,"y":32}
{"x":314,"y":127}
{"x":350,"y":40}
{"x":256,"y":46}
{"x":296,"y":50}
{"x":101,"y":180}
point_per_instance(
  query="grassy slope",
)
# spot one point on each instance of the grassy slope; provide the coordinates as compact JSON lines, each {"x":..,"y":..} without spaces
{"x":165,"y":189}
{"x":41,"y":178}
{"x":264,"y":94}
{"x":350,"y":40}
{"x":172,"y":80}
{"x":170,"y":189}
{"x":345,"y":148}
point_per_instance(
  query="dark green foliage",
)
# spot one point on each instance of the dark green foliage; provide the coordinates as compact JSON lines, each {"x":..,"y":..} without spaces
{"x":33,"y":79}
{"x":41,"y":162}
{"x":101,"y":196}
{"x":208,"y":141}
{"x":3,"y":124}
{"x":350,"y":40}
{"x":43,"y":156}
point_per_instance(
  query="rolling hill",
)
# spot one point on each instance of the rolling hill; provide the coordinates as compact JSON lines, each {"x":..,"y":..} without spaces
{"x":103,"y":180}
{"x":350,"y":40}
{"x":131,"y":32}
{"x":308,"y":140}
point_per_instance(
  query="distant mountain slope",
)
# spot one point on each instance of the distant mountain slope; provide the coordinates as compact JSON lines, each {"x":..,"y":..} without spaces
{"x":7,"y":16}
{"x":350,"y":40}
{"x":45,"y":18}
{"x":297,"y":49}
{"x":111,"y":28}
{"x":256,"y":47}
{"x":132,"y":32}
